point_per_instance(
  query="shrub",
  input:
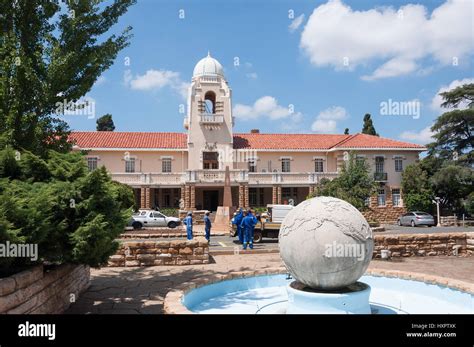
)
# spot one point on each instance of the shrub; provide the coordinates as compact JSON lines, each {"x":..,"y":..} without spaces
{"x":170,"y":212}
{"x":74,"y":216}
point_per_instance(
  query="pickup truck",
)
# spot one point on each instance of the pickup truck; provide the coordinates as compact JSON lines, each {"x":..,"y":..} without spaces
{"x":269,"y":223}
{"x":151,"y":218}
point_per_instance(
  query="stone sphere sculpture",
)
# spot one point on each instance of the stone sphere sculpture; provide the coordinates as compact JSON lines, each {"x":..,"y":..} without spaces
{"x":325,"y":243}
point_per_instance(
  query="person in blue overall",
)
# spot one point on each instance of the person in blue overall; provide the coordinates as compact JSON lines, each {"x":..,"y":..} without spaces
{"x":248,"y":223}
{"x":207,"y":226}
{"x":237,"y":220}
{"x":188,"y":221}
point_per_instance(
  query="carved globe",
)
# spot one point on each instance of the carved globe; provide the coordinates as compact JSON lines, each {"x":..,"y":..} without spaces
{"x":326,"y":243}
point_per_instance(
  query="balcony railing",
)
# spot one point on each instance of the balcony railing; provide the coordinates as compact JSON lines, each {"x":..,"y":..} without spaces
{"x":218,"y":176}
{"x":211,"y":118}
{"x":380,"y":176}
{"x":139,"y":178}
{"x":215,"y":176}
{"x":289,"y":177}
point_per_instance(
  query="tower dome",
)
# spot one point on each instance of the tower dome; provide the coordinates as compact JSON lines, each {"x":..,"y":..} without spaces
{"x":208,"y":66}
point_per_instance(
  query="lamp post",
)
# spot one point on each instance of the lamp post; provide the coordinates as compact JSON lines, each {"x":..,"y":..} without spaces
{"x":436,"y":201}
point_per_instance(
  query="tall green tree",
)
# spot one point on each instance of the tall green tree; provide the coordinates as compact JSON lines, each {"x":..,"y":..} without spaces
{"x":105,"y":123}
{"x":454,"y":130}
{"x":51,"y":54}
{"x":368,"y":127}
{"x":354,"y":183}
{"x":453,"y":184}
{"x":417,"y":190}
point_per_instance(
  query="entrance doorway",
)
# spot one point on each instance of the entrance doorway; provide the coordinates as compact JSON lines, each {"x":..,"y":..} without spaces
{"x":210,"y":200}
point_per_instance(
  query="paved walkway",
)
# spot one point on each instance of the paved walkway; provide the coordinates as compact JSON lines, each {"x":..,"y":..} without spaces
{"x":142,"y":290}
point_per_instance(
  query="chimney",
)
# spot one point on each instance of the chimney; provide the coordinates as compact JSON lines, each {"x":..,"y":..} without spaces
{"x":255,"y":131}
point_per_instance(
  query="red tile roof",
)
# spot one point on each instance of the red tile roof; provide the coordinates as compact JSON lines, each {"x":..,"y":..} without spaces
{"x":107,"y":139}
{"x":286,"y":141}
{"x":116,"y":139}
{"x":370,"y":141}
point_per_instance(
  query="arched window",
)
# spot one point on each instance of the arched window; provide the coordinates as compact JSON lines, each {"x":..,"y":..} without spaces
{"x":210,"y":102}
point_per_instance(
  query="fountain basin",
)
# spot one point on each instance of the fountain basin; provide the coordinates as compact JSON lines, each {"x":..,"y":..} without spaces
{"x":392,"y":292}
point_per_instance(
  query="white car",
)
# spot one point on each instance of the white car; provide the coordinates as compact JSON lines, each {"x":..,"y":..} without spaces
{"x":151,"y":218}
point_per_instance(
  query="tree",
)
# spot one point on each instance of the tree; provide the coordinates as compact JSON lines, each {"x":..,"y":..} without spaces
{"x":73,"y":215}
{"x":354,"y":183}
{"x":105,"y":123}
{"x":346,"y":131}
{"x":454,"y":130}
{"x":417,"y":191}
{"x":368,"y":127}
{"x":453,"y":184}
{"x":51,"y":53}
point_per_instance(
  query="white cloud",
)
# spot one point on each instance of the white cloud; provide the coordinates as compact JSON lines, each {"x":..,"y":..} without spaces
{"x":295,"y":23}
{"x":398,"y":39}
{"x":326,"y":120}
{"x":324,"y":126}
{"x":252,"y":75}
{"x":423,"y":136}
{"x":155,"y":80}
{"x":438,"y":100}
{"x":266,"y":106}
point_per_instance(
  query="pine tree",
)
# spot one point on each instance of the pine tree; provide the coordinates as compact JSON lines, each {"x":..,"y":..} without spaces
{"x":368,"y":127}
{"x":105,"y":123}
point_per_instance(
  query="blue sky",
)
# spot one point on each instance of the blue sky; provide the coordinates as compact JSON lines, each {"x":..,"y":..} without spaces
{"x":333,"y":61}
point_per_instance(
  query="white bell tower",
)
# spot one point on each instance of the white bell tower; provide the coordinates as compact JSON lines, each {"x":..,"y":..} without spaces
{"x":209,"y":120}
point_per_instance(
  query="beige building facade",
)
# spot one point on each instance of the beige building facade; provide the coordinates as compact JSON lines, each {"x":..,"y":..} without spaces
{"x":187,"y":169}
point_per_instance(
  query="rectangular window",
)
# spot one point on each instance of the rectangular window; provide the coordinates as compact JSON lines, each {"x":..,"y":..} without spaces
{"x":252,"y":166}
{"x":379,"y":164}
{"x":285,"y":165}
{"x":166,"y":165}
{"x":318,"y":165}
{"x":130,"y":165}
{"x":398,"y":164}
{"x":253,"y":196}
{"x":92,"y":163}
{"x":261,"y":197}
{"x":396,"y":197}
{"x":381,"y":197}
{"x":210,"y":160}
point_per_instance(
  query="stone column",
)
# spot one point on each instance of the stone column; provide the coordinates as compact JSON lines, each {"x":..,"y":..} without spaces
{"x":142,"y":197}
{"x":147,"y":198}
{"x":241,"y":196}
{"x":246,"y":196}
{"x":279,"y":195}
{"x":192,"y":197}
{"x":274,"y":195}
{"x":187,"y":197}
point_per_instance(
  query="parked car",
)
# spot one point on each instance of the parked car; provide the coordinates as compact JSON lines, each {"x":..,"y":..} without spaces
{"x":416,"y":218}
{"x":152,"y":218}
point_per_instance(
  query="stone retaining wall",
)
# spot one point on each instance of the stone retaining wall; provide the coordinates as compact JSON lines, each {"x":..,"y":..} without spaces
{"x":384,"y":215}
{"x":150,"y":253}
{"x":36,"y":291}
{"x":407,"y":245}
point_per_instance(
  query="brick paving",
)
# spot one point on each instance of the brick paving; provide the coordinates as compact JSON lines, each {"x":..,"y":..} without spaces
{"x":142,"y":290}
